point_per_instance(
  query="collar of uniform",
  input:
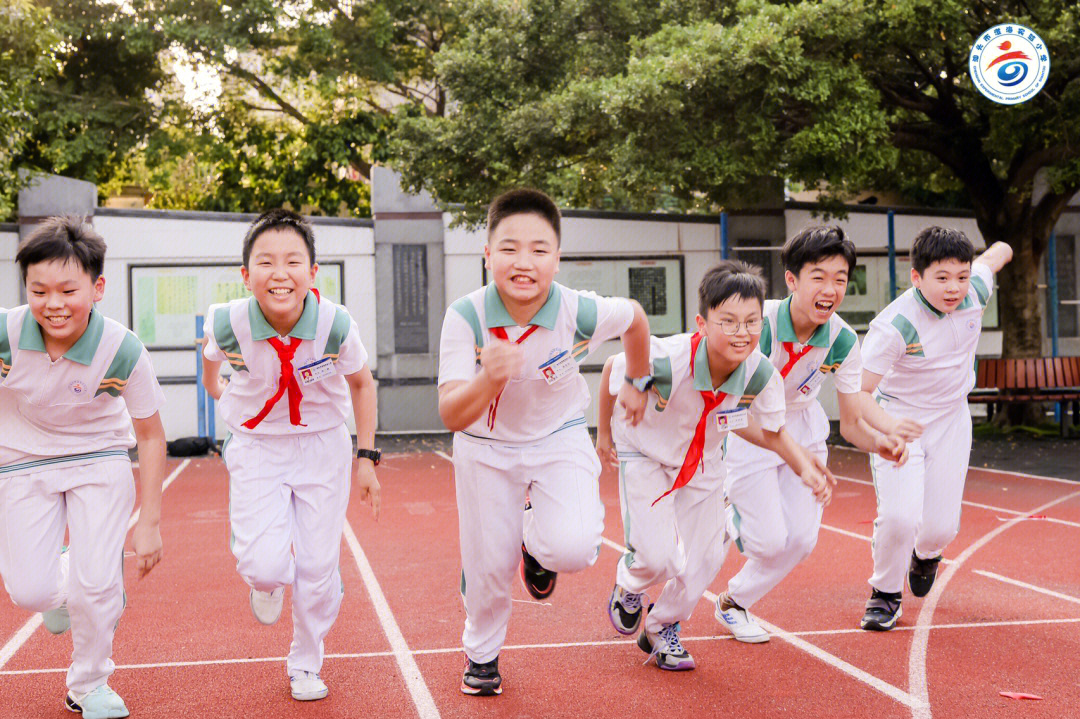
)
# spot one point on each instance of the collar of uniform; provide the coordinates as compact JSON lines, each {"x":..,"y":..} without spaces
{"x":733,"y":385}
{"x":303,"y":329}
{"x":495,"y":314}
{"x":785,"y":329}
{"x":82,"y":352}
{"x":925,"y":303}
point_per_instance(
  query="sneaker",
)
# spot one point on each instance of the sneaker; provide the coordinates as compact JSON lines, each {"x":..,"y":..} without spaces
{"x":882,"y":611}
{"x":481,"y":680}
{"x":58,"y":620}
{"x":921,"y":574}
{"x":539,"y":582}
{"x":306,"y":686}
{"x":665,"y":647}
{"x":739,"y":622}
{"x":102,"y":703}
{"x":624,"y":610}
{"x":266,"y":606}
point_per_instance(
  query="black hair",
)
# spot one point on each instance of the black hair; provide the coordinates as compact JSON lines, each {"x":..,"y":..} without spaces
{"x":66,"y":238}
{"x":936,"y":244}
{"x":523,"y":201}
{"x":730,"y":278}
{"x":816,"y":243}
{"x":276,"y":219}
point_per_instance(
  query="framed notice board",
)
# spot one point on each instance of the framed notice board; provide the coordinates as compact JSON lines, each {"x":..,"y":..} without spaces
{"x":163,"y":300}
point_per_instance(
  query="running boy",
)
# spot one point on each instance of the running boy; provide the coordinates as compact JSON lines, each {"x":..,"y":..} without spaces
{"x":510,"y":390}
{"x":919,"y":356}
{"x":706,"y":385}
{"x":290,"y":457}
{"x":73,"y":384}
{"x":805,"y":341}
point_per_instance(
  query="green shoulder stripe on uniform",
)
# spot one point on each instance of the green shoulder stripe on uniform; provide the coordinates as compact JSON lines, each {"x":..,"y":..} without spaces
{"x":5,"y":347}
{"x":338,"y":331}
{"x":123,"y":364}
{"x":226,"y":339}
{"x":586,"y":325}
{"x":840,"y":349}
{"x":465,"y":308}
{"x":765,"y":344}
{"x":757,"y":383}
{"x":662,"y":381}
{"x":980,"y":289}
{"x":910,"y":335}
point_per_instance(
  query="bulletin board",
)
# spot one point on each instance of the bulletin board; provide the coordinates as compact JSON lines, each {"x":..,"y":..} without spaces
{"x":163,"y":300}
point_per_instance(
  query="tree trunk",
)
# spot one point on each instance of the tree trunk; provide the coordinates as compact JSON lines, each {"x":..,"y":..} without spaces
{"x":1020,"y":316}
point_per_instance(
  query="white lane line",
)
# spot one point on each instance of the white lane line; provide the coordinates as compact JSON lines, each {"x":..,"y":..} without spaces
{"x":989,"y":507}
{"x":444,"y":455}
{"x":414,"y":680}
{"x":917,"y":657}
{"x":24,"y":633}
{"x":554,"y":645}
{"x":1032,"y":587}
{"x":851,"y":670}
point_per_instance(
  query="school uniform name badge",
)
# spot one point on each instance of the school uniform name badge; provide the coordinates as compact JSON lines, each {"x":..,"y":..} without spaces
{"x":732,"y":419}
{"x":316,"y":371}
{"x":1009,"y":64}
{"x":812,"y":382}
{"x":557,"y":367}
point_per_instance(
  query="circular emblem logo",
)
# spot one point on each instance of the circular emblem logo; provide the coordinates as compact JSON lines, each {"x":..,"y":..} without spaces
{"x":972,"y":325}
{"x":77,"y":387}
{"x":1009,"y":64}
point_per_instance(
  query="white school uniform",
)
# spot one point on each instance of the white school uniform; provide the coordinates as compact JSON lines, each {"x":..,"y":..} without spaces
{"x":537,"y":445}
{"x":289,"y":485}
{"x":778,"y":515}
{"x":679,"y":540}
{"x":65,"y":432}
{"x":927,"y":362}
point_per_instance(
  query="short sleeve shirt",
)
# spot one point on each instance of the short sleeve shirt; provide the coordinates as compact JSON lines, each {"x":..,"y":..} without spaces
{"x":237,"y":334}
{"x":79,"y":407}
{"x":569,"y":326}
{"x":927,"y":357}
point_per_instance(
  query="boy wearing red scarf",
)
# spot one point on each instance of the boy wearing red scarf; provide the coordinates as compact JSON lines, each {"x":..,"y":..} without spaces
{"x":298,"y":369}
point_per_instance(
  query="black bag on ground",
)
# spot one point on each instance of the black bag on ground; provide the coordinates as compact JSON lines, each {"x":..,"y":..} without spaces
{"x":189,"y":447}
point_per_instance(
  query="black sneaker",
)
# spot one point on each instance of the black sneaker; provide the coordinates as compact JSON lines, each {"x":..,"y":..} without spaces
{"x":665,"y":648}
{"x":921,"y":574}
{"x":539,"y":582}
{"x":882,"y":611}
{"x":624,"y":610}
{"x":481,"y":680}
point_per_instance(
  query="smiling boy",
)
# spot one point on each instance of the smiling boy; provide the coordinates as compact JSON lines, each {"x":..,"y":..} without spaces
{"x":919,"y":360}
{"x":298,"y":369}
{"x":73,"y":384}
{"x":511,"y":391}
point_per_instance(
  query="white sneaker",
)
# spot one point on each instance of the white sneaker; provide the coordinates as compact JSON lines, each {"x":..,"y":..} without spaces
{"x":266,"y":606}
{"x":102,"y":703}
{"x":740,"y":624}
{"x":307,"y":686}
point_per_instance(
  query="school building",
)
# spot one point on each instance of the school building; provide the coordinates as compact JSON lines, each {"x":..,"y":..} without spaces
{"x":399,"y":271}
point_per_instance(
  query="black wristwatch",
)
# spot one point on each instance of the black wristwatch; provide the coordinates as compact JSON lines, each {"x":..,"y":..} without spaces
{"x":373,"y":454}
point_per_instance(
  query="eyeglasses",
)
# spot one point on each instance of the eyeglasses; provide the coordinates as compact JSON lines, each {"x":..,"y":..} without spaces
{"x":731,"y":327}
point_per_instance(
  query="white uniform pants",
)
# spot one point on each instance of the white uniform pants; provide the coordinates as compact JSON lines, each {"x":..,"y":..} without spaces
{"x":287,"y":502}
{"x":919,"y":503}
{"x":562,"y":531}
{"x":94,"y":502}
{"x":774,"y":517}
{"x":678,"y":541}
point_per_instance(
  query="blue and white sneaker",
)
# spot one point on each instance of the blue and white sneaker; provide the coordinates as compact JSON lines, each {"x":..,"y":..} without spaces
{"x":58,"y":620}
{"x":665,"y":648}
{"x":102,"y":703}
{"x":307,"y":686}
{"x":624,"y":610}
{"x":738,"y":621}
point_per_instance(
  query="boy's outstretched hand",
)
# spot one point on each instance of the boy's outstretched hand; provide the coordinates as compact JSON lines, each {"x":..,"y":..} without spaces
{"x":633,"y":402}
{"x":368,"y":484}
{"x":147,"y":541}
{"x":819,"y":479}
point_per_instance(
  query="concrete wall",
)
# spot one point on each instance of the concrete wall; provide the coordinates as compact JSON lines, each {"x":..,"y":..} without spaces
{"x":10,"y":282}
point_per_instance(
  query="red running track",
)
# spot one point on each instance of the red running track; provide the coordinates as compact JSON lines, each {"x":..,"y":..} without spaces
{"x":1007,"y":618}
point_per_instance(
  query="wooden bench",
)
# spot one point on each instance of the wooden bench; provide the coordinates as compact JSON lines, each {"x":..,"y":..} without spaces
{"x":1046,"y":379}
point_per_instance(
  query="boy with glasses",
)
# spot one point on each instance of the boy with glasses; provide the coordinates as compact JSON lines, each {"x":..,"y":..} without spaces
{"x":703,"y":386}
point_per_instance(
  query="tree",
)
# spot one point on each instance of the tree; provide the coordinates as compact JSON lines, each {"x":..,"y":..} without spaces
{"x":691,"y":104}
